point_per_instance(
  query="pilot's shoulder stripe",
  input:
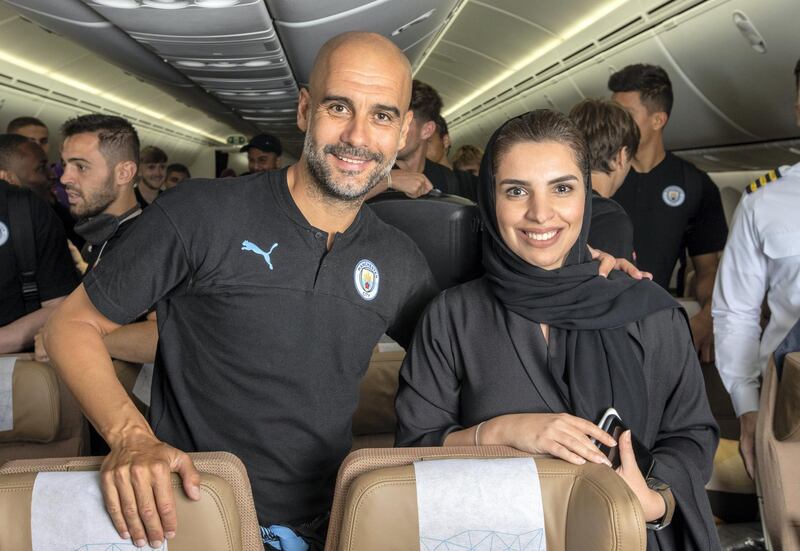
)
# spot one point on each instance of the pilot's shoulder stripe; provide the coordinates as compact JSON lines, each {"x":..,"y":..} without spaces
{"x":763,"y":180}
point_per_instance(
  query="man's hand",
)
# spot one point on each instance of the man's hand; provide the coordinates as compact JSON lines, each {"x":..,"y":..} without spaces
{"x":135,"y":479}
{"x":608,"y":263}
{"x":39,"y":352}
{"x":413,"y":184}
{"x":747,"y":441}
{"x":652,"y":503}
{"x":703,"y":335}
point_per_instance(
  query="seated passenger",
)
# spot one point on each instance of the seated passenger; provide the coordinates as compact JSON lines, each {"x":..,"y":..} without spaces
{"x":612,"y":137}
{"x":468,"y":158}
{"x":532,"y":354}
{"x":176,"y":173}
{"x":152,"y":173}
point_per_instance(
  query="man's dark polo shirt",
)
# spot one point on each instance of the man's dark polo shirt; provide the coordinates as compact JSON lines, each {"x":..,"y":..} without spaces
{"x":673,"y":207}
{"x":264,"y":334}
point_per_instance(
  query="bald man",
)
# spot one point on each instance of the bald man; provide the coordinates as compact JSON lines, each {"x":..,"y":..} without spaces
{"x":271,"y":291}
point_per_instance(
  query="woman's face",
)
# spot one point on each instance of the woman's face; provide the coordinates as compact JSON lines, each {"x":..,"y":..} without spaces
{"x":539,"y":199}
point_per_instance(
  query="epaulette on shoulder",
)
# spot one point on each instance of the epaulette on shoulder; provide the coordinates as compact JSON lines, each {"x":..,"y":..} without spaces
{"x":763,"y":180}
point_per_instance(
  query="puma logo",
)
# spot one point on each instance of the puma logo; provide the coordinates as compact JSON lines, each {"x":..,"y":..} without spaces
{"x":252,"y":247}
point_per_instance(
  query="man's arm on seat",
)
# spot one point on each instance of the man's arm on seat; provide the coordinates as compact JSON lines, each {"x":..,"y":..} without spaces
{"x":135,"y":476}
{"x":18,"y":335}
{"x":705,"y":266}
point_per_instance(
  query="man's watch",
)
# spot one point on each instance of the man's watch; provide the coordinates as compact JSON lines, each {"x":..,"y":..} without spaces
{"x":665,"y":492}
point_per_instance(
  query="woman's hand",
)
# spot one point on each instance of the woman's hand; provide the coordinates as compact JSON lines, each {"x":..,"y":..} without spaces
{"x":561,"y":435}
{"x":608,"y":263}
{"x":652,"y":503}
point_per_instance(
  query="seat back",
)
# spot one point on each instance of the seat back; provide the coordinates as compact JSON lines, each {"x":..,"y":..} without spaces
{"x":446,"y":229}
{"x":778,"y":454}
{"x":375,"y":504}
{"x":223,"y":519}
{"x":47,"y":419}
{"x":374,"y":421}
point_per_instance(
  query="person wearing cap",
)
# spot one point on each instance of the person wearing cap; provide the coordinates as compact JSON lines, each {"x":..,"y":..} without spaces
{"x":263,"y":153}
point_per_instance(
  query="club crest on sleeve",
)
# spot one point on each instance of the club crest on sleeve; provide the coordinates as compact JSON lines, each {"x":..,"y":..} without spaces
{"x":367,"y":279}
{"x":673,"y":196}
{"x":4,"y":233}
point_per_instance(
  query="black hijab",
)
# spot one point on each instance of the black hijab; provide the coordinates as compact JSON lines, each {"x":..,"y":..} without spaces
{"x":592,"y":358}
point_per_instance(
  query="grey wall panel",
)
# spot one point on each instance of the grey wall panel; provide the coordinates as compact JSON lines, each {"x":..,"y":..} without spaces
{"x":692,"y":123}
{"x":753,"y":89}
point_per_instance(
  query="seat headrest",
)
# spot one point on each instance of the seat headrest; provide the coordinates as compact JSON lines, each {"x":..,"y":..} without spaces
{"x":223,"y":519}
{"x":36,"y":403}
{"x":585,"y":506}
{"x":787,"y":402}
{"x":446,"y":228}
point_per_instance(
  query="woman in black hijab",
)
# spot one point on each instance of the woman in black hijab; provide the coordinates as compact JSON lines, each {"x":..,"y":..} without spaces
{"x":534,"y":352}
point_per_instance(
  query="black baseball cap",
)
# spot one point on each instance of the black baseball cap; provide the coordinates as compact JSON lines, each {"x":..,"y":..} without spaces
{"x":266,"y":143}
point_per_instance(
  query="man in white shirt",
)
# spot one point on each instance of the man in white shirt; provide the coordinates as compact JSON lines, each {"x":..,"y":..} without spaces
{"x":762,"y":256}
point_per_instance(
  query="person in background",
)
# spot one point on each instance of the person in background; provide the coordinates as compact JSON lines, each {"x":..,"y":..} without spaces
{"x":176,"y":173}
{"x":152,"y":174}
{"x":33,"y":129}
{"x":263,"y":153}
{"x":36,"y":271}
{"x":674,"y":206}
{"x":612,"y":137}
{"x":468,"y":158}
{"x":762,"y":256}
{"x":25,"y":164}
{"x":439,"y":143}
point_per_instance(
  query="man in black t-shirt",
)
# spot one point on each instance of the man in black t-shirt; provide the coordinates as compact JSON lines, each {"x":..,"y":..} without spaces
{"x":674,"y":206}
{"x":55,"y":273}
{"x":612,"y":137}
{"x":271,"y":291}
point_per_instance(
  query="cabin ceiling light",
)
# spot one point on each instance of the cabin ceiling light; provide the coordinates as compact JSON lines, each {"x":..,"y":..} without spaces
{"x":413,"y":22}
{"x":166,"y":4}
{"x":89,"y":89}
{"x":222,"y":64}
{"x":571,"y":31}
{"x":119,"y":4}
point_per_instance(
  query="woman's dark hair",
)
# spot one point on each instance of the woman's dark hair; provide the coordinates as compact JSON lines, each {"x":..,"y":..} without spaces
{"x":540,"y":126}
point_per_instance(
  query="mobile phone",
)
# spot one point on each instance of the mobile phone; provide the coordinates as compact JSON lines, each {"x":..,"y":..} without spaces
{"x":613,"y":425}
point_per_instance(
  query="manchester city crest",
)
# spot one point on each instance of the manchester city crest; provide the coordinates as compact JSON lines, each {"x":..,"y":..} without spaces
{"x":4,"y":233}
{"x":367,"y":279}
{"x":674,"y":196}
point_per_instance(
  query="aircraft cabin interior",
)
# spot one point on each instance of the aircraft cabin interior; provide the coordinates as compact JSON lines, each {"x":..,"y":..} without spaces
{"x":201,"y":81}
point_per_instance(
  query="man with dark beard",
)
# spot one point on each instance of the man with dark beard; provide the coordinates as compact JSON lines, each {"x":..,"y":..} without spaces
{"x":271,"y":291}
{"x":100,"y":155}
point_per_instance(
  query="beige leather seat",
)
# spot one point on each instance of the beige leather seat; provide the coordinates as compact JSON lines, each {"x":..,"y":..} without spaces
{"x":778,"y":454}
{"x":375,"y":505}
{"x":374,"y":421}
{"x":223,"y":520}
{"x":47,"y":419}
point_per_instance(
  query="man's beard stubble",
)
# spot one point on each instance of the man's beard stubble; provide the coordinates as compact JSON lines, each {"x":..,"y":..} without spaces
{"x":322,"y":173}
{"x":97,"y":204}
